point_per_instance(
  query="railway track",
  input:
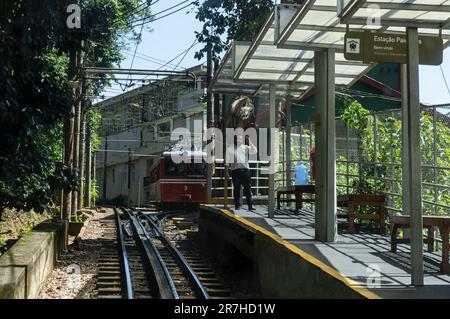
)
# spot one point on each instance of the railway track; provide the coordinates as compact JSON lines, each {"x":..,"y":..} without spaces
{"x":139,"y":261}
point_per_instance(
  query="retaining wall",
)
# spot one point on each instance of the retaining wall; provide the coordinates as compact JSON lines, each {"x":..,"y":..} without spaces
{"x":27,"y":264}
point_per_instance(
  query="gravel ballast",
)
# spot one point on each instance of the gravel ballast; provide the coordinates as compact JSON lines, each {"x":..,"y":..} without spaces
{"x":74,"y":276}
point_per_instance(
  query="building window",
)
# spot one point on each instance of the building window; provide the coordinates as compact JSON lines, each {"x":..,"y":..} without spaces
{"x":163,"y":130}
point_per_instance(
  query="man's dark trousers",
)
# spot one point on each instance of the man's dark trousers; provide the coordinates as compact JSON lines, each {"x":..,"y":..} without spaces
{"x":242,"y":177}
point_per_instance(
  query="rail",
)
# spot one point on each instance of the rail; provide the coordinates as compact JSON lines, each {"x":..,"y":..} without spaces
{"x":126,"y":281}
{"x":166,"y":286}
{"x":198,"y":286}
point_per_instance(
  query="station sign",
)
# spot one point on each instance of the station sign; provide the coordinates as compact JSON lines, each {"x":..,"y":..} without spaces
{"x":369,"y":46}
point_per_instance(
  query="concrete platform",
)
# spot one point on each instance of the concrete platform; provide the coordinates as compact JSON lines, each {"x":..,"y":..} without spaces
{"x":349,"y":261}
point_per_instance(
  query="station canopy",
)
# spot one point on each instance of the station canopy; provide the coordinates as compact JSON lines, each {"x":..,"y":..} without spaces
{"x":432,"y":14}
{"x":320,"y":23}
{"x":223,"y":81}
{"x":282,"y":53}
{"x":264,"y":61}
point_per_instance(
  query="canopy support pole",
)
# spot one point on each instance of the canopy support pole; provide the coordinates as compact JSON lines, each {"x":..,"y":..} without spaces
{"x":288,"y":148}
{"x":412,"y":177}
{"x":272,"y":125}
{"x":325,"y":127}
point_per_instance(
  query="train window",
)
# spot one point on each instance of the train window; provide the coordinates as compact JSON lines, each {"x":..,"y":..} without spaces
{"x":197,"y":169}
{"x":173,"y":169}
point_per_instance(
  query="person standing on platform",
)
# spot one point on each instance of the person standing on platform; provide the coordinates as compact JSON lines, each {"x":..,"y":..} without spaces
{"x":240,"y":169}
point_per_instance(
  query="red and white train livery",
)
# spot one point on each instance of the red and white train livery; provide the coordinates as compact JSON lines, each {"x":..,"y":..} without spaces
{"x":178,"y":185}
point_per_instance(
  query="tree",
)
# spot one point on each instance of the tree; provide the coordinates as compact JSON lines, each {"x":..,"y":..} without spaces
{"x":35,"y":95}
{"x":229,"y":20}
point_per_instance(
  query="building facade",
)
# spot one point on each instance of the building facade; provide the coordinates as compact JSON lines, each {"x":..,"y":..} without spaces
{"x":136,"y":128}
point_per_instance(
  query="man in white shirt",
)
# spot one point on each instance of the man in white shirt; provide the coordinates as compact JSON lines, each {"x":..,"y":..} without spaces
{"x":240,"y":170}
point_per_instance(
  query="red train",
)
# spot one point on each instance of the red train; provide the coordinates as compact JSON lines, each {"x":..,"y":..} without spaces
{"x":178,"y":185}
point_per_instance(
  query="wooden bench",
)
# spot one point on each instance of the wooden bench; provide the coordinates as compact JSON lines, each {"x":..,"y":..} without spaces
{"x":430,"y":223}
{"x":353,"y":201}
{"x":349,"y":201}
{"x":298,"y":191}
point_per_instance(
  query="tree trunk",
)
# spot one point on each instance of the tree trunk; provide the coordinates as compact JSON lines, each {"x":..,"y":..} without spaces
{"x":77,"y":124}
{"x":69,"y":124}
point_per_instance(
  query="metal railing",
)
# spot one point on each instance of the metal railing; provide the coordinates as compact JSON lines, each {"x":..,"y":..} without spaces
{"x":386,"y":173}
{"x":260,"y":180}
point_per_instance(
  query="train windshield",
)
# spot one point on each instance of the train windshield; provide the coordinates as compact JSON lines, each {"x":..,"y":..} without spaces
{"x":173,"y":169}
{"x":196,"y":169}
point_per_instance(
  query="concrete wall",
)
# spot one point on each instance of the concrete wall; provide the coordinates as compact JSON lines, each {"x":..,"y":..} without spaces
{"x":277,"y":271}
{"x":25,"y":267}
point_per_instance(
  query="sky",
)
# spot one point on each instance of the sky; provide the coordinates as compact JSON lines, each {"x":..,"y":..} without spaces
{"x":174,"y":34}
{"x":168,"y":38}
{"x":432,"y":84}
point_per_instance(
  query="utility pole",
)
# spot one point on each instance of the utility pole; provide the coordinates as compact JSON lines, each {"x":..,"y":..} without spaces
{"x":88,"y":155}
{"x":209,"y":102}
{"x":93,"y":172}
{"x":82,"y":147}
{"x":209,"y":115}
{"x":216,"y":99}
{"x":129,"y":177}
{"x":105,"y":166}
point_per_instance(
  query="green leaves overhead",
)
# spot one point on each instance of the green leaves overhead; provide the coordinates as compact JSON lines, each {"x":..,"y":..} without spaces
{"x":229,"y":20}
{"x":35,"y":94}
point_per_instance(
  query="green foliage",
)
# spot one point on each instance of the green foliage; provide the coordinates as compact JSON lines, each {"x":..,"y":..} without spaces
{"x":35,"y":95}
{"x":229,"y":20}
{"x":16,"y":224}
{"x":95,"y":119}
{"x":95,"y":193}
{"x":383,"y":159}
{"x":79,"y":218}
{"x":108,"y":27}
{"x":355,"y":115}
{"x":371,"y":171}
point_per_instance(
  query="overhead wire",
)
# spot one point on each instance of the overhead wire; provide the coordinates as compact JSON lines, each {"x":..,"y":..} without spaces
{"x":135,"y":53}
{"x":162,"y":17}
{"x":137,"y":44}
{"x":184,"y":56}
{"x":165,"y":10}
{"x":150,"y":59}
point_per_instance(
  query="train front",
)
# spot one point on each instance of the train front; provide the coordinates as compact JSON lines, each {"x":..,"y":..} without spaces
{"x":183,"y":184}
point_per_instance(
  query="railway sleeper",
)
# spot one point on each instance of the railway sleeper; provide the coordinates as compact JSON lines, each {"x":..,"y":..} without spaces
{"x":109,"y":290}
{"x":110,"y":297}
